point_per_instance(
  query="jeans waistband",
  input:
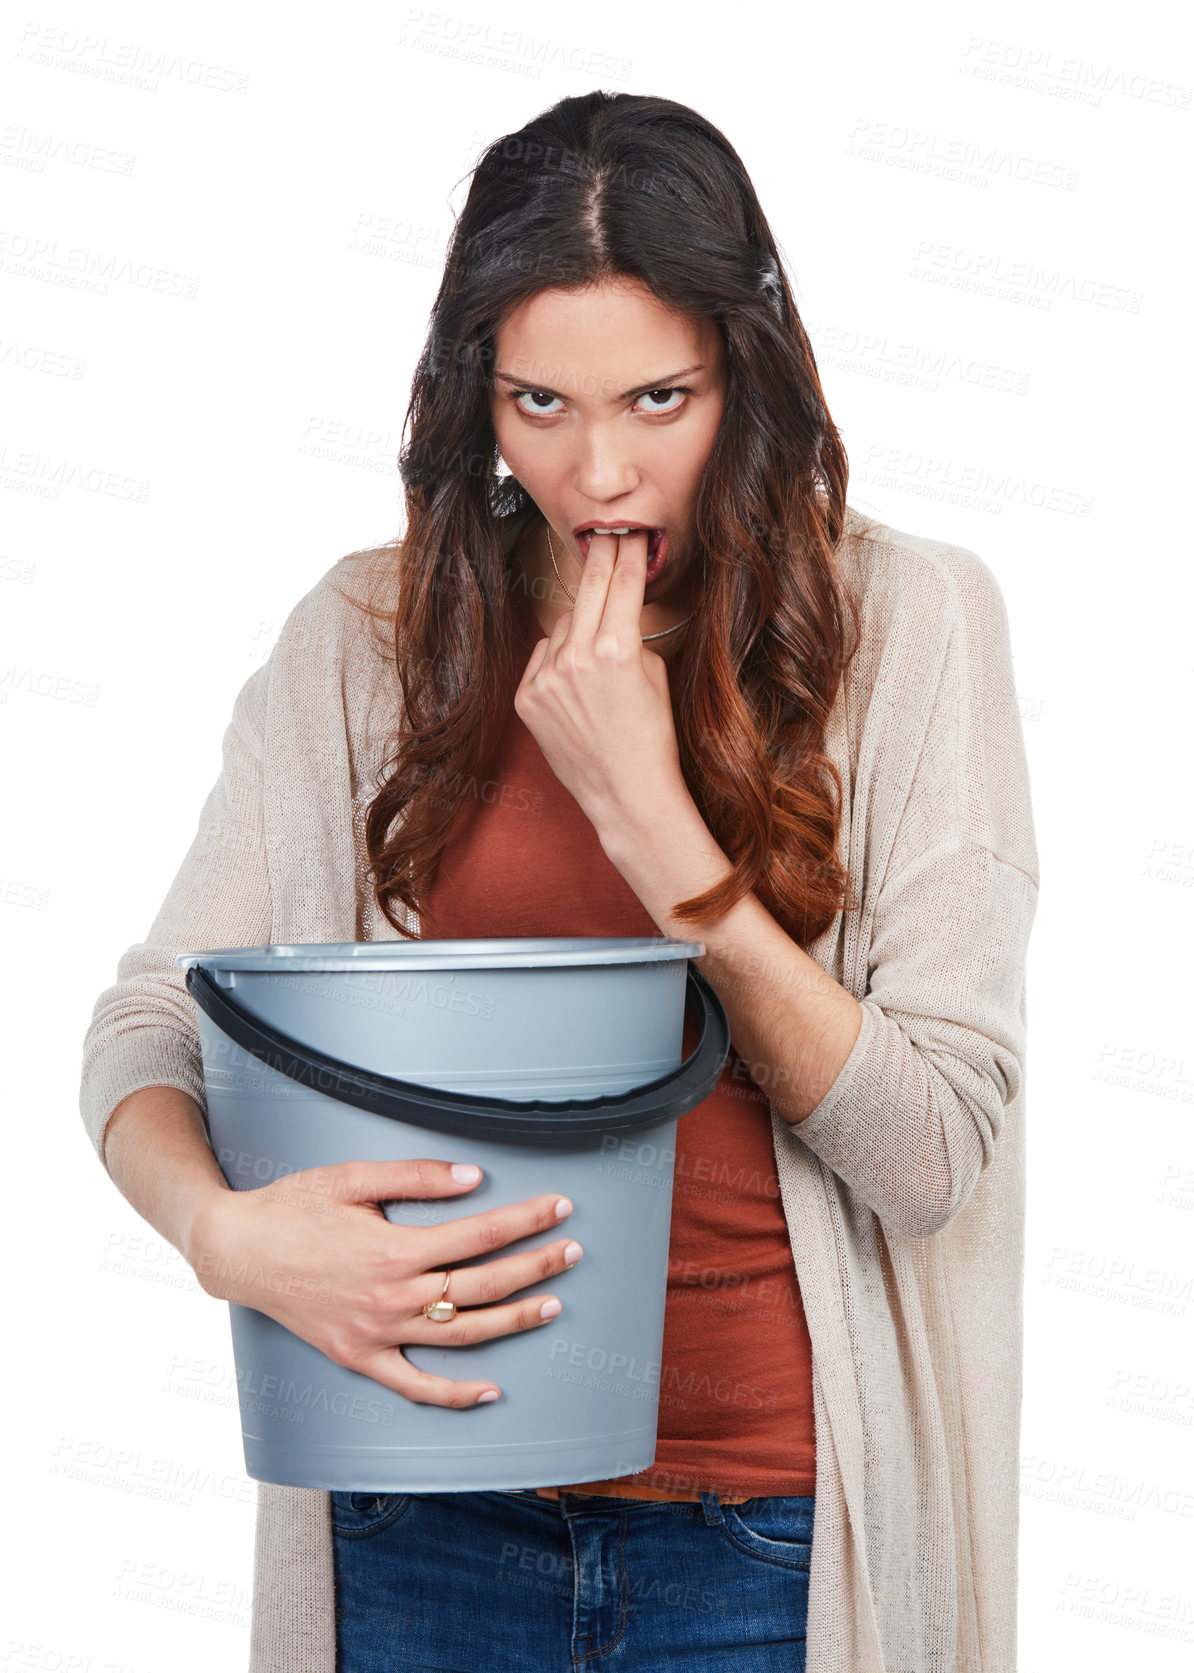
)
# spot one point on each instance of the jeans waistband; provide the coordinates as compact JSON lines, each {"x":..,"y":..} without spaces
{"x":632,"y":1491}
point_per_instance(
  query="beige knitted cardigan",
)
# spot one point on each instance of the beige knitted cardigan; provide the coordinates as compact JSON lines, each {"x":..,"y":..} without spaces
{"x":903,"y":1190}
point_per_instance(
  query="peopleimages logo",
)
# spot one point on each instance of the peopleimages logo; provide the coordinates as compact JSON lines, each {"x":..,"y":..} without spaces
{"x":272,"y":1396}
{"x":614,"y":1372}
{"x":389,"y":991}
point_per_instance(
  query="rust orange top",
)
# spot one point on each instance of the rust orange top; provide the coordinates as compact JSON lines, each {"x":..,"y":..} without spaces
{"x":735,"y":1392}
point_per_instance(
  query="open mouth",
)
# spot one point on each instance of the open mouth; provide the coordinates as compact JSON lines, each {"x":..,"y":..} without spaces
{"x":657,"y":545}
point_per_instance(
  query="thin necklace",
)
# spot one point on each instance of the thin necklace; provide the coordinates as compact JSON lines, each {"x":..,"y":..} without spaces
{"x":572,"y":595}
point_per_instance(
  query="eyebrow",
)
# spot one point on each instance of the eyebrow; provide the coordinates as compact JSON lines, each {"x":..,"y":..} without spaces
{"x":642,"y":389}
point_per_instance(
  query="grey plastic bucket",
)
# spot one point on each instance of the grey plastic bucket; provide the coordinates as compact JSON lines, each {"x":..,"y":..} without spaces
{"x":554,"y":1063}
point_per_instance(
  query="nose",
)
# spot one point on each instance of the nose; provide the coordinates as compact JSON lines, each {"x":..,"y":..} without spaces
{"x":604,"y":471}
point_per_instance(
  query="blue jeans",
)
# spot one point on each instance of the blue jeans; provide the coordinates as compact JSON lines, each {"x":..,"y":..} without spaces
{"x":505,"y":1581}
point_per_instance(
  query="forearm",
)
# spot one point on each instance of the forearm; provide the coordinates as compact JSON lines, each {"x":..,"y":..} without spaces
{"x":158,"y":1155}
{"x":792,"y":1025}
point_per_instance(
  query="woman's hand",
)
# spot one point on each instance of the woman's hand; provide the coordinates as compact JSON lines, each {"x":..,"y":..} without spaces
{"x":315,"y":1252}
{"x":596,"y":699}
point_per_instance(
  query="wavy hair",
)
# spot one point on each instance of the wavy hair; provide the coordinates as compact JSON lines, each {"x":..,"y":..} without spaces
{"x":600,"y":186}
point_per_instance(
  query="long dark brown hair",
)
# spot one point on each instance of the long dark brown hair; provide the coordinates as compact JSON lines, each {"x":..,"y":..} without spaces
{"x":600,"y":186}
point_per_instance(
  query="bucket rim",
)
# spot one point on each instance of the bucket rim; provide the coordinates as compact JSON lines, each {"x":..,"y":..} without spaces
{"x":448,"y":953}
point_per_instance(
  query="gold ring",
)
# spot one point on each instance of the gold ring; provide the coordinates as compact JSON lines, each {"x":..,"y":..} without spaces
{"x":442,"y":1310}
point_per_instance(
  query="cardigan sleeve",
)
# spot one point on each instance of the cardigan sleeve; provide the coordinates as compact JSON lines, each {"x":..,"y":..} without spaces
{"x":916,"y":1111}
{"x":143,"y":1030}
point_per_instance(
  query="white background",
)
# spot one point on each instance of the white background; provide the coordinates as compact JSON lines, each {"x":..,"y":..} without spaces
{"x":220,"y":241}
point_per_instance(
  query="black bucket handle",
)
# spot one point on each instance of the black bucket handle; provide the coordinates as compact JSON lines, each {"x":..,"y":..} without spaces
{"x":469,"y":1115}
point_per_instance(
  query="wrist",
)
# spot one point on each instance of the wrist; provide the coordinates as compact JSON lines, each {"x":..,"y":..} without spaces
{"x":641,"y":826}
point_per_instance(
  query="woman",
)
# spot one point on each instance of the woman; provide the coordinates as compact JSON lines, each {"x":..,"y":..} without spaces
{"x":769,"y":724}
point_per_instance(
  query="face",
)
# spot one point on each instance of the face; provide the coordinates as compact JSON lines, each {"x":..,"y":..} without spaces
{"x":605,"y":406}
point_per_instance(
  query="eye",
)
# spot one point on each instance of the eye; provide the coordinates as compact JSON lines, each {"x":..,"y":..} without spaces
{"x":674,"y":390}
{"x":537,"y":394}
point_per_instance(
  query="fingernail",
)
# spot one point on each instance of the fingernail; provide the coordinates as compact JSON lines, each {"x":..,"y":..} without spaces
{"x":572,"y":1254}
{"x":490,"y":1394}
{"x":465,"y":1172}
{"x":549,"y":1309}
{"x":563,"y":1207}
